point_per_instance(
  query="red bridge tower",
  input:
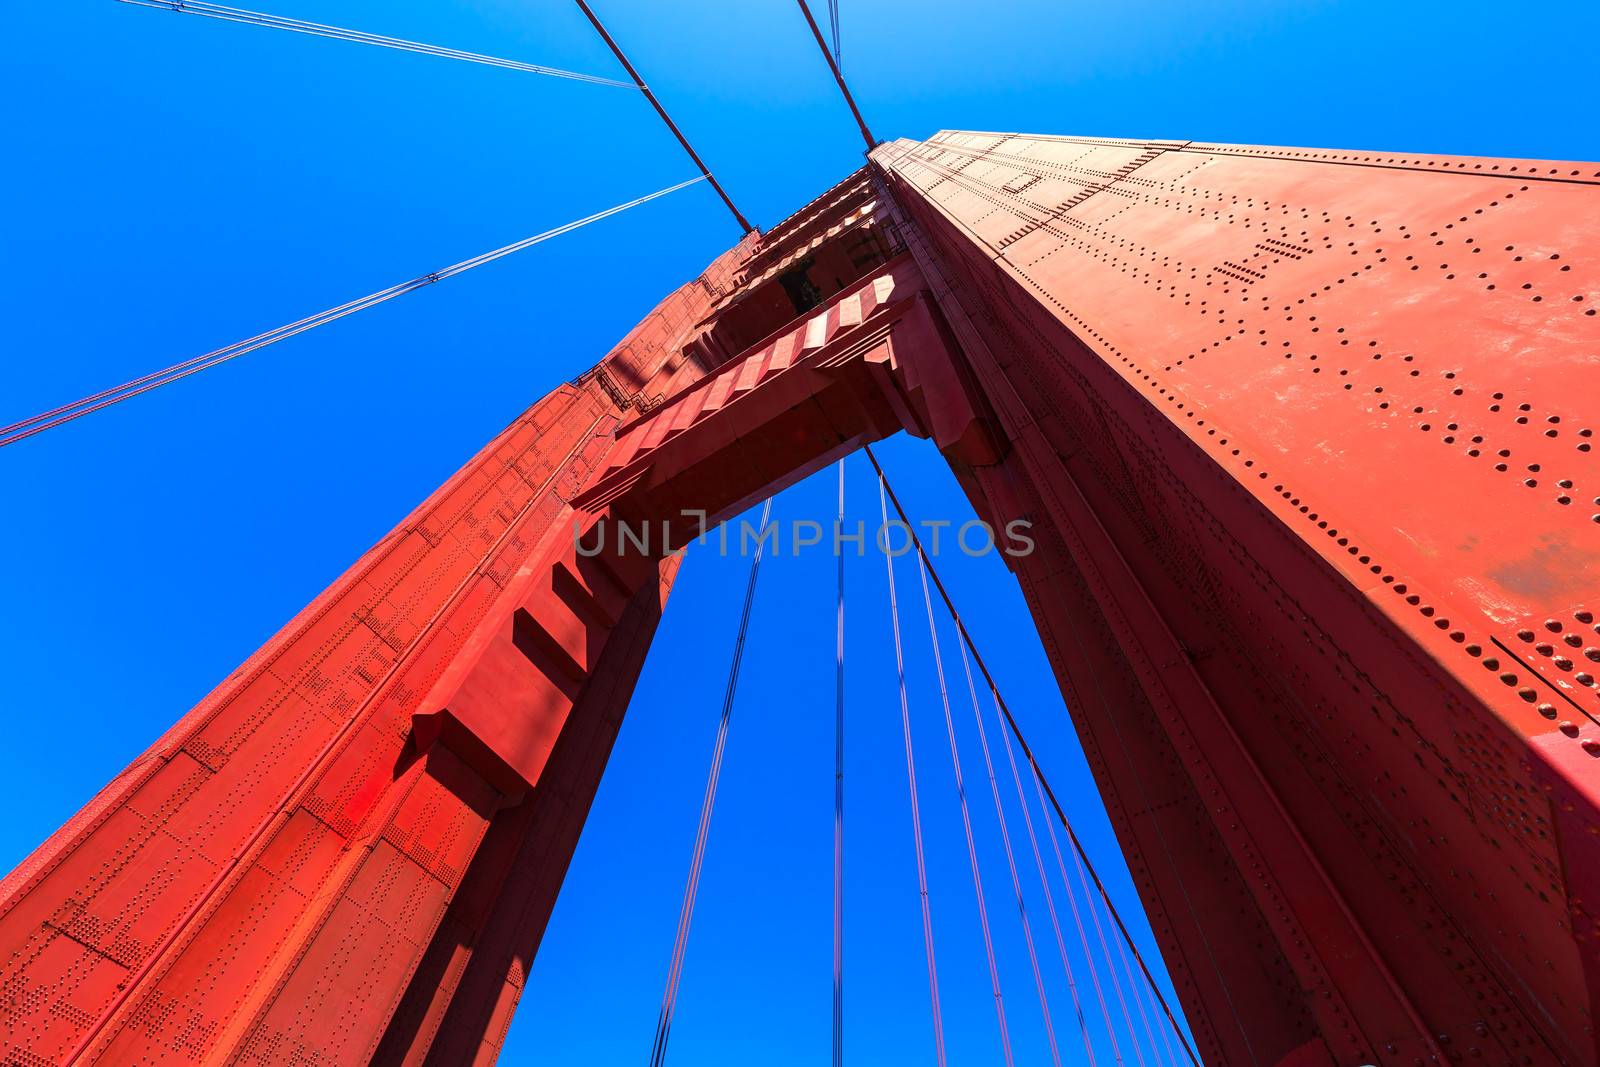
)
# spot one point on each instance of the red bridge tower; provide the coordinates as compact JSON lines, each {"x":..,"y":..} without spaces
{"x":1307,"y":441}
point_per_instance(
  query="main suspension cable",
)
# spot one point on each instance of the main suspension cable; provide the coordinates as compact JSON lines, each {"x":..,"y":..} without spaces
{"x":966,"y":819}
{"x":838,"y":76}
{"x":18,"y":431}
{"x":317,"y":29}
{"x":911,"y":778}
{"x":616,"y":50}
{"x":658,"y":1051}
{"x":1027,"y":752}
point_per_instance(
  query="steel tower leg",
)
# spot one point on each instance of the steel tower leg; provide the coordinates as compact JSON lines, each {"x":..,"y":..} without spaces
{"x":1305,"y":441}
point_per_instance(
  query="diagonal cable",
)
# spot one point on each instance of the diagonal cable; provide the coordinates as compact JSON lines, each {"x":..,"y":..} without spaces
{"x":18,"y":431}
{"x":838,"y":75}
{"x":616,"y":50}
{"x":337,"y":33}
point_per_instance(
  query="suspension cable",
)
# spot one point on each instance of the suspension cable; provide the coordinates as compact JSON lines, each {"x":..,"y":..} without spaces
{"x":838,"y":798}
{"x":1166,"y":1038}
{"x":966,"y":819}
{"x":1011,"y":862}
{"x":866,"y":134}
{"x":18,"y":431}
{"x":1140,"y":995}
{"x":658,"y":1052}
{"x":1049,"y":898}
{"x":1041,"y":782}
{"x":616,"y":50}
{"x":833,"y":26}
{"x":1100,"y":934}
{"x":317,"y":29}
{"x":1077,"y":922}
{"x":911,"y":778}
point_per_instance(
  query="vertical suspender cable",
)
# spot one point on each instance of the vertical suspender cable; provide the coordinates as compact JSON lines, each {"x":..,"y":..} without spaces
{"x":1044,"y":884}
{"x":916,"y":816}
{"x":966,"y":820}
{"x":1054,"y":805}
{"x":1139,"y":996}
{"x":861,"y":123}
{"x":1011,"y":861}
{"x":1048,"y":801}
{"x":1100,"y":935}
{"x":833,"y":28}
{"x":1094,"y":916}
{"x":1166,"y":1038}
{"x":838,"y":796}
{"x":658,"y":1051}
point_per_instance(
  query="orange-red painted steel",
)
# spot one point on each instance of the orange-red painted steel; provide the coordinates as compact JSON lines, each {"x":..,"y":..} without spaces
{"x":1306,"y":440}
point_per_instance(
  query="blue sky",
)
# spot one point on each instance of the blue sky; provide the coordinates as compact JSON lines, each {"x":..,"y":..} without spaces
{"x":175,"y":184}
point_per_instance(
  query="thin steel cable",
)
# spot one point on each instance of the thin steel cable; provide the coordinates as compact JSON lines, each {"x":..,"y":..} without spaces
{"x":1033,"y":762}
{"x":18,"y":431}
{"x":1011,"y":861}
{"x":911,"y":778}
{"x":833,"y":25}
{"x":838,"y":797}
{"x":1100,"y":934}
{"x":1044,"y":884}
{"x":658,"y":1051}
{"x":966,"y":820}
{"x":338,"y":33}
{"x":1166,"y":1038}
{"x":1140,"y":995}
{"x":616,"y":50}
{"x":838,"y":77}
